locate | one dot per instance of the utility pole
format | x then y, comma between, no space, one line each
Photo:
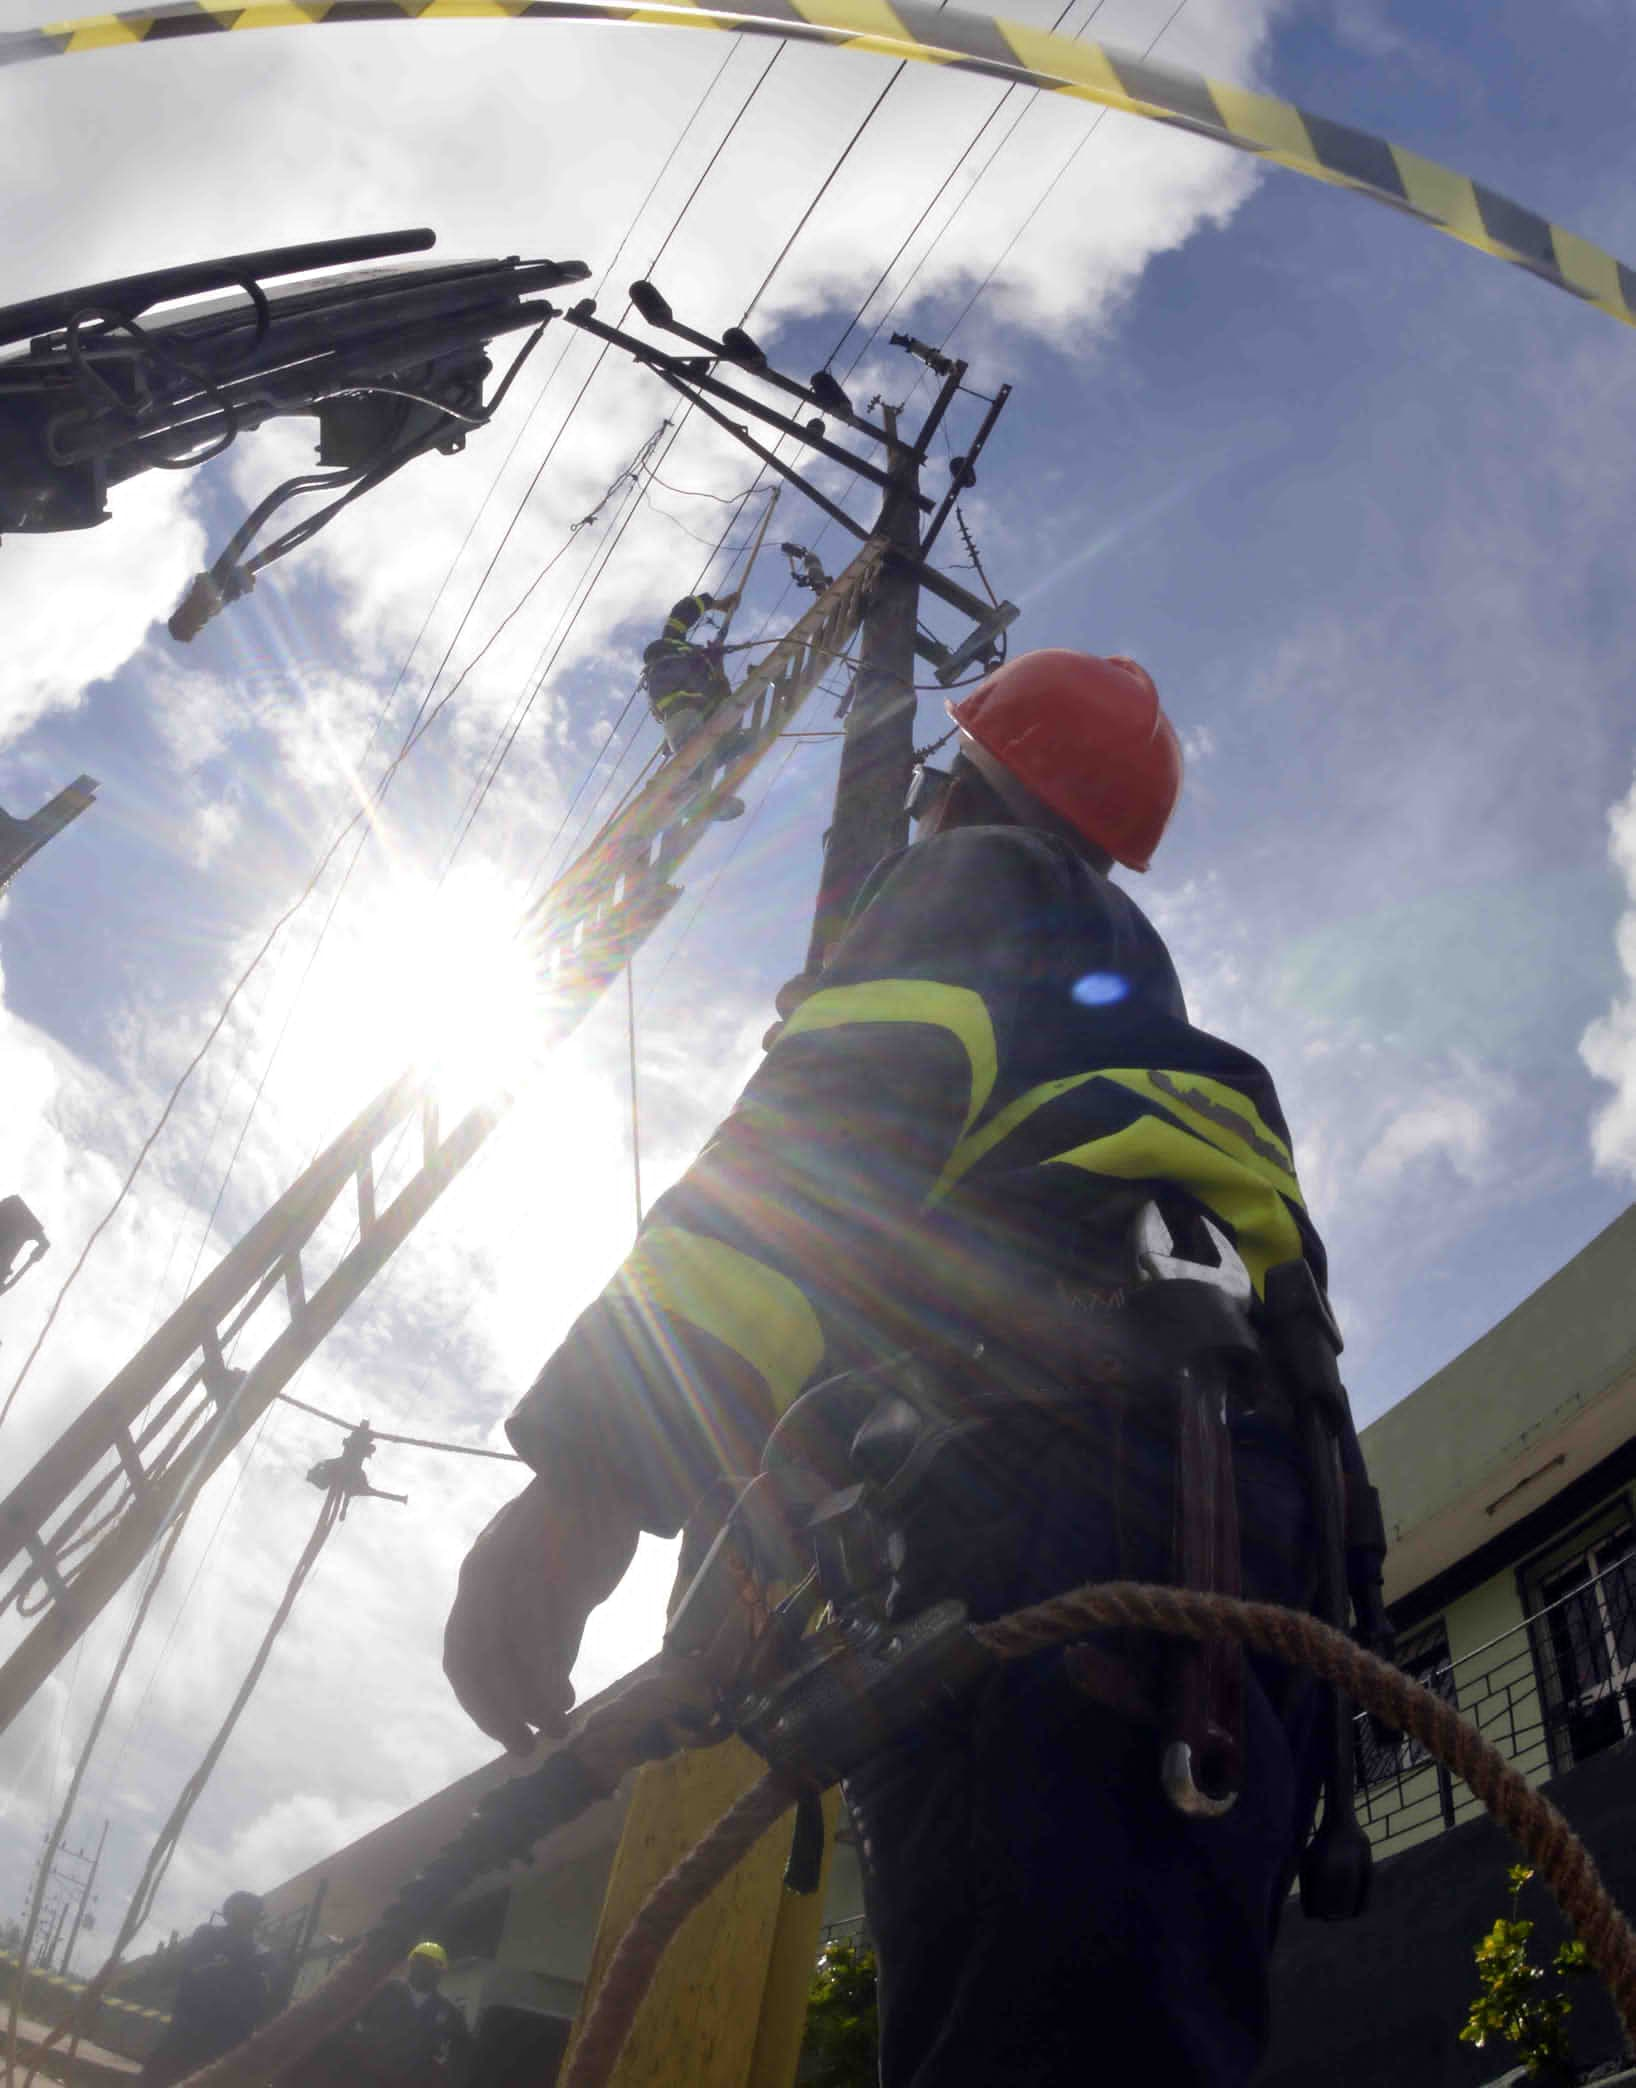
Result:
728,2005
877,756
85,1896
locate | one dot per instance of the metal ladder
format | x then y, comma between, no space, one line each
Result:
76,1527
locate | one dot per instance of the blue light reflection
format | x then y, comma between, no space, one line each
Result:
1100,989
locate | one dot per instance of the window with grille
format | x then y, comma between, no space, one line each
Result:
1384,1756
1585,1643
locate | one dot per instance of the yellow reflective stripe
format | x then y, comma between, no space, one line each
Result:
1265,1232
953,1008
999,1128
742,1303
1202,1103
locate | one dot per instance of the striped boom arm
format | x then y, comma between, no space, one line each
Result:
1004,50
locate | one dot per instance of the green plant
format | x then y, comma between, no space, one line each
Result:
843,2033
1521,2001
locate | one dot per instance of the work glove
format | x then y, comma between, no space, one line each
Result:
724,605
526,1588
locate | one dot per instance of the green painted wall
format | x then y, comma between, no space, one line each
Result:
1556,1353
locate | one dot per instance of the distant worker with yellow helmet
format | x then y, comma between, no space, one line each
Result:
991,1089
409,2036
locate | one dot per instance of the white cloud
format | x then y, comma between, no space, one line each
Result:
503,139
1608,1045
78,608
1448,1127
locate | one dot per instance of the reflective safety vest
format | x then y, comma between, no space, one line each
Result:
999,1052
676,671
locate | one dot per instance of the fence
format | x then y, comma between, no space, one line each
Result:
1552,1691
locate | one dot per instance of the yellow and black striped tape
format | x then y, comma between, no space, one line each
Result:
1011,51
77,1986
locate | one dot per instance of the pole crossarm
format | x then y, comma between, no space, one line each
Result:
167,1420
1017,52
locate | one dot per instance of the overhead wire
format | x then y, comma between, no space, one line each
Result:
936,197
405,1442
412,738
421,722
1051,186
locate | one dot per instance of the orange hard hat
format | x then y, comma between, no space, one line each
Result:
1088,739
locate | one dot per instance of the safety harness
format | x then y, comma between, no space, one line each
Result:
679,672
824,1534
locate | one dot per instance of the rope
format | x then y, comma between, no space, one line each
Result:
634,1720
750,561
637,1954
1555,1851
1527,1816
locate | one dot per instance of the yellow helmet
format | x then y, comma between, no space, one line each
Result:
434,1951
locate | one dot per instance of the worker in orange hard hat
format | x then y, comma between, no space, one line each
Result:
990,1101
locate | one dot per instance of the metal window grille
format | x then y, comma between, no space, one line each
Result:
1552,1691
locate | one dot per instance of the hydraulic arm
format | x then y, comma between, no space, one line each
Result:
163,371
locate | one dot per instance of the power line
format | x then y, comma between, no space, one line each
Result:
407,1442
415,723
1050,189
961,203
937,196
823,188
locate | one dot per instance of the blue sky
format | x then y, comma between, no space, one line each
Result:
1356,495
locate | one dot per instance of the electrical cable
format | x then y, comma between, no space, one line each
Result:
823,187
1051,188
937,196
481,509
423,723
406,1442
699,492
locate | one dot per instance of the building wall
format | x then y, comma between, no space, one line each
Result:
1563,1347
551,1921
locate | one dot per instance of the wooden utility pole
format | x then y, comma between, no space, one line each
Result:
877,757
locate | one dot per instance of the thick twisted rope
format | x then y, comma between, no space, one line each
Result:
621,1728
1292,1636
636,1957
1556,1852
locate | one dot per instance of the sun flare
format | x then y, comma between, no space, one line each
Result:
436,977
